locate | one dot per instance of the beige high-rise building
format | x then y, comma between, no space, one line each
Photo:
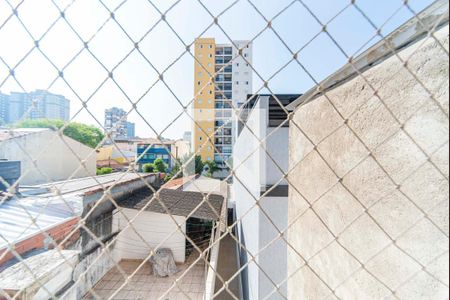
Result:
222,79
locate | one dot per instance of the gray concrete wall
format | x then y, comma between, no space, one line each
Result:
403,184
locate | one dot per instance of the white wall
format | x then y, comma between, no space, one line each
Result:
153,228
278,162
247,188
256,230
273,259
53,156
400,193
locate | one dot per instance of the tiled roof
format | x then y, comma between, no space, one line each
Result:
178,183
177,202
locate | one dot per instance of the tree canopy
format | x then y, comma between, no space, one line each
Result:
86,134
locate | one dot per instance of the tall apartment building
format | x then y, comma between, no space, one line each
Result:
39,104
116,122
223,77
131,130
4,107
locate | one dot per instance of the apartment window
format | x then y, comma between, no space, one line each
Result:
200,138
210,92
210,46
199,82
201,46
210,56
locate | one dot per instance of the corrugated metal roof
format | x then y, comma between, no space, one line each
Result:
48,210
16,216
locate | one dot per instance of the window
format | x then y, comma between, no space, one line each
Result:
166,156
237,64
201,46
209,158
200,74
200,101
199,82
210,56
237,82
210,92
200,138
210,46
200,56
246,82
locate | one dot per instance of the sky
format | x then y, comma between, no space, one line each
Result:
112,42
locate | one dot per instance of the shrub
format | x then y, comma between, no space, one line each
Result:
160,166
148,168
104,171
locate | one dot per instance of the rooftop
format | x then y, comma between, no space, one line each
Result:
6,134
177,202
143,285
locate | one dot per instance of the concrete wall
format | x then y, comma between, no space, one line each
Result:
151,227
273,260
411,209
53,157
251,179
247,188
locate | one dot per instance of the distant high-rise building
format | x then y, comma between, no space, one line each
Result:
4,107
39,104
116,122
131,130
187,136
214,97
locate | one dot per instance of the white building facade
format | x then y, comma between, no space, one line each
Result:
259,169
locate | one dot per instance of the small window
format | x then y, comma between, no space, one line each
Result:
237,82
237,64
200,138
200,110
201,46
245,55
210,46
210,56
199,82
246,82
210,92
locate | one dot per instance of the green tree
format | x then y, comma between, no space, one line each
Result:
212,167
160,166
86,134
148,168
